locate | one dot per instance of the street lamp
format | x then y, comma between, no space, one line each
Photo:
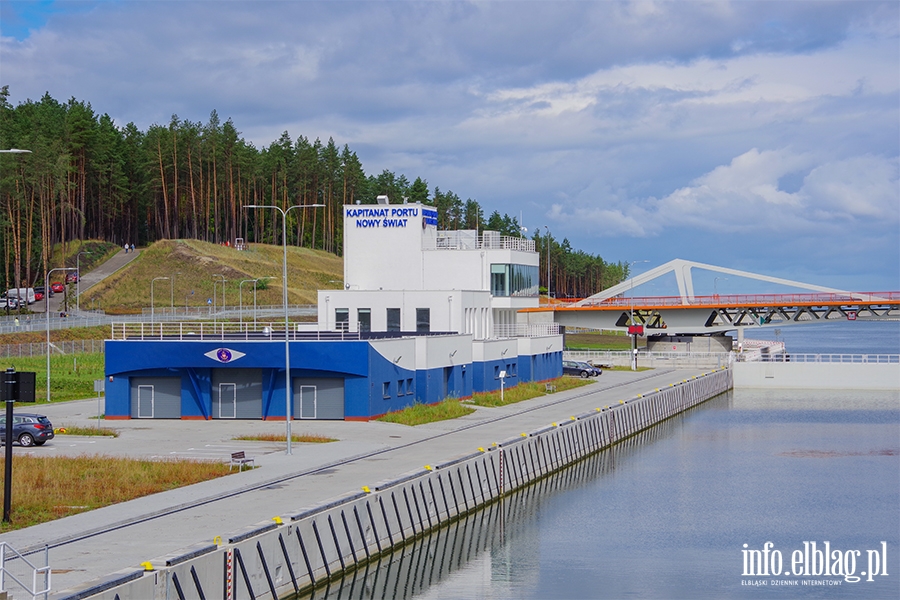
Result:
47,298
547,229
241,299
284,300
77,280
633,335
152,306
214,299
172,291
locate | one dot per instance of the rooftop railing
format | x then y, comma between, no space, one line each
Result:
488,240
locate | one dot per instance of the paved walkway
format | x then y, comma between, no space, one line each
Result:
97,543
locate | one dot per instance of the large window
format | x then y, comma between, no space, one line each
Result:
423,320
393,319
364,318
342,319
514,280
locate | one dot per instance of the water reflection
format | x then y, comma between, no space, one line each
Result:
477,550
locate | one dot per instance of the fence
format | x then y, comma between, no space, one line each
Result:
301,551
40,349
653,360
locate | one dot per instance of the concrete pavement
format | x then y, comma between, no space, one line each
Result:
93,544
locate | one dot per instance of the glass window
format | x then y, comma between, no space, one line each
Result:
496,371
400,391
409,386
393,319
386,389
423,320
514,280
342,319
364,318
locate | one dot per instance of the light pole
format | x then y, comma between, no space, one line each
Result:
547,229
716,286
215,300
77,280
172,291
241,299
47,305
284,300
152,307
633,335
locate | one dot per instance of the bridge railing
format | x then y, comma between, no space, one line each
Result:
653,360
752,299
822,358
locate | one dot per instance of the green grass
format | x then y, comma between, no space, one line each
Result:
274,437
602,340
71,376
87,431
419,414
72,485
527,391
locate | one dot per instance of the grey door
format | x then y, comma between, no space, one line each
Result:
307,402
319,398
145,402
155,397
237,394
227,400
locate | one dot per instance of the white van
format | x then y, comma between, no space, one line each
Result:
23,295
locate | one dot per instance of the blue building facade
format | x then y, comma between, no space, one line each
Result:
355,379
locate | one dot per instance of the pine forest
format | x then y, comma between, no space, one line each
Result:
87,178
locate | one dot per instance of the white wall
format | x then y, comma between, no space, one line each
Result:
860,376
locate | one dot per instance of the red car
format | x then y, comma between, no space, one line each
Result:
71,277
38,296
57,287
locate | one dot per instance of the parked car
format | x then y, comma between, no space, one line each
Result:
10,303
71,277
58,287
40,289
38,296
582,369
29,429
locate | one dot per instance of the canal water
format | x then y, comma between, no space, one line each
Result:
679,510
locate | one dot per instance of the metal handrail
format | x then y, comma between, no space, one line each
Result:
35,571
751,299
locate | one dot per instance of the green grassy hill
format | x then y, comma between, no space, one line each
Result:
192,264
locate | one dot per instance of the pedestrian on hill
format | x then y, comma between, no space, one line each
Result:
126,248
17,322
132,248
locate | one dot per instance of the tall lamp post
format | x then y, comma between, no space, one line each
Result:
214,299
547,229
284,300
77,280
47,298
633,335
152,306
241,299
172,291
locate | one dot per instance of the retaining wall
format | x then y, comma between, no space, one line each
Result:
817,375
296,552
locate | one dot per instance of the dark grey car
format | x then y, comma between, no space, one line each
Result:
29,429
582,369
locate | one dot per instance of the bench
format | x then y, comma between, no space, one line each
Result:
240,459
550,388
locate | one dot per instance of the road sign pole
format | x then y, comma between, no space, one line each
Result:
9,391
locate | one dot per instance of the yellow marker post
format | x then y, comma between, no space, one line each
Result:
366,489
428,468
148,566
277,520
217,540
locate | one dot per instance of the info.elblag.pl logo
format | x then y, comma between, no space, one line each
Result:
815,560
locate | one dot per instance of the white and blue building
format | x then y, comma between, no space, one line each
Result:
423,315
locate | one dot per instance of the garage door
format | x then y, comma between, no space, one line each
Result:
237,394
155,397
318,398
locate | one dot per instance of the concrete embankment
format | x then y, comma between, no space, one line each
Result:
296,551
812,375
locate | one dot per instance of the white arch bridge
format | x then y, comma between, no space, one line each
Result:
689,314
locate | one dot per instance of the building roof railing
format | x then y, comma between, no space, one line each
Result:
469,239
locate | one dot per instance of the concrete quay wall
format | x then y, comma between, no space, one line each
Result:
296,552
817,375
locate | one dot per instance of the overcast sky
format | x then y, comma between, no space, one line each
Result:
761,136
